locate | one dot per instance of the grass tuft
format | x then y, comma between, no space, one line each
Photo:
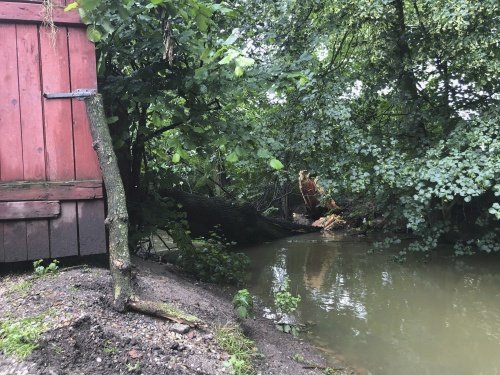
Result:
19,337
21,288
241,349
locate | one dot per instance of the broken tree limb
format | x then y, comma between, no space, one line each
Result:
163,310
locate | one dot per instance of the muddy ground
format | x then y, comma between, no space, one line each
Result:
85,336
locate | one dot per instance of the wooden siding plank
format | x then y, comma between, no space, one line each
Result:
2,252
11,153
11,157
15,241
31,12
29,210
24,1
37,239
50,190
83,75
30,98
63,232
92,232
59,138
57,112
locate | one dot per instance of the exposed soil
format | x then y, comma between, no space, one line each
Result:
85,336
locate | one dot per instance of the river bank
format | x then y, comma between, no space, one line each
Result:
83,335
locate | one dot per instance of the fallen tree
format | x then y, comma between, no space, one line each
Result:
240,223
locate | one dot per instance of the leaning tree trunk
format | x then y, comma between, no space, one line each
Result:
124,297
117,219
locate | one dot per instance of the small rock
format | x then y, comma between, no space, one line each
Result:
180,328
134,354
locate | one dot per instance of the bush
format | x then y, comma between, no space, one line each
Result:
212,261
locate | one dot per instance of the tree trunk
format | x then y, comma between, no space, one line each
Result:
410,98
117,219
124,297
239,223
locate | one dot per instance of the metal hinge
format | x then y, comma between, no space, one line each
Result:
79,94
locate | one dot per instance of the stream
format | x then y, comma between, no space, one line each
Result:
436,318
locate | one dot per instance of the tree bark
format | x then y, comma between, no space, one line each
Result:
410,98
117,219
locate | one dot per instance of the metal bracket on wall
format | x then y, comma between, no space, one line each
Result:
79,94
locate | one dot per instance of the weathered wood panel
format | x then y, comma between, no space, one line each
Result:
2,250
29,210
11,152
31,102
11,157
92,233
37,239
51,190
64,233
15,241
45,145
57,112
59,137
83,75
91,230
23,1
11,11
30,95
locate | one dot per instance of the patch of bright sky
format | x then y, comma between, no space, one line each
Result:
321,52
274,98
354,91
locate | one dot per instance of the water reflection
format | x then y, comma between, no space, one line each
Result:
436,318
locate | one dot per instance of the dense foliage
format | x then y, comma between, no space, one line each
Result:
393,103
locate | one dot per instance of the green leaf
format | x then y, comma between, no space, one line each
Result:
176,158
242,312
232,157
244,61
238,71
230,56
156,2
263,153
111,120
93,34
201,22
276,164
231,39
71,6
206,11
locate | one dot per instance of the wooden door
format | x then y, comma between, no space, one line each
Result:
51,195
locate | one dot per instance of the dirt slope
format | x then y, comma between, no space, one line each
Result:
85,336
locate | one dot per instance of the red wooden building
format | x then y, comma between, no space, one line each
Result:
51,193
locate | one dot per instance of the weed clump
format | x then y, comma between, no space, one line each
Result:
212,260
241,349
40,270
243,303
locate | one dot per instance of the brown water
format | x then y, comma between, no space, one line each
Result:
438,318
